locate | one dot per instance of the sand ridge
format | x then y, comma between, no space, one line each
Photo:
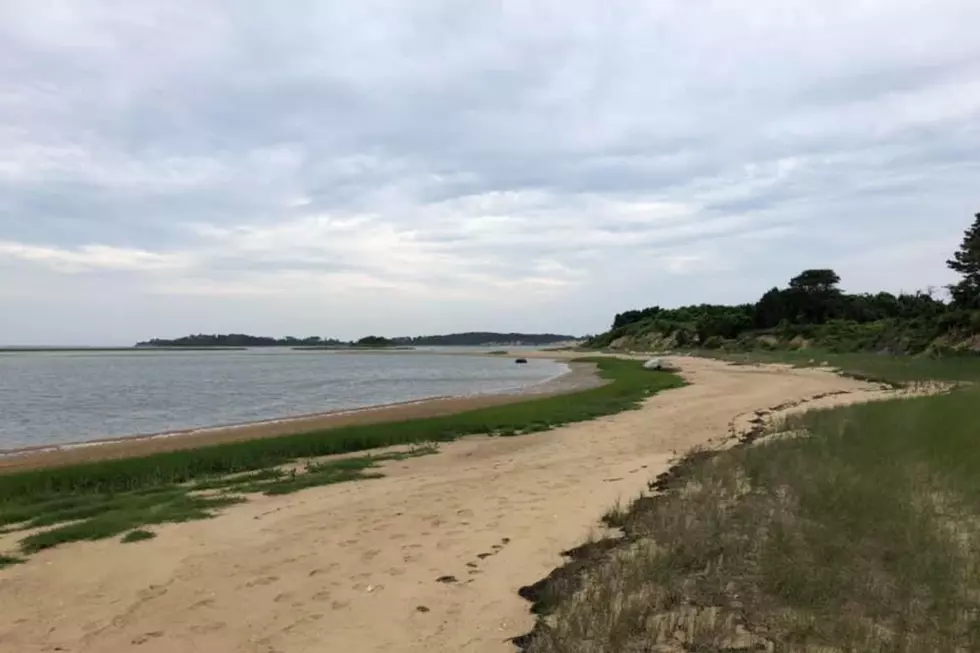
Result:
428,558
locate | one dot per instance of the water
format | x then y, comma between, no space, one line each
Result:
61,397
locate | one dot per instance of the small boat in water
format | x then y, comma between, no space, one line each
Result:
521,361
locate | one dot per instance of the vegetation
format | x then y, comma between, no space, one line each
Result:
239,340
893,370
812,311
966,262
485,338
105,499
138,536
472,338
373,341
6,561
864,535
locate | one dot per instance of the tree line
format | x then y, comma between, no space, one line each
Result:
238,340
471,338
813,307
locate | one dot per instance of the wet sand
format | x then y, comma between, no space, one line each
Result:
427,559
580,376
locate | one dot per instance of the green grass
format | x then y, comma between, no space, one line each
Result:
886,368
123,513
862,536
629,384
100,500
7,561
138,536
95,517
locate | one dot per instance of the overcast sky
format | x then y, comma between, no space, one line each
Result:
343,168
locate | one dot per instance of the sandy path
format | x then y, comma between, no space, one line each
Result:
354,567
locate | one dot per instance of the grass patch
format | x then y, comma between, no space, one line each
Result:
898,370
99,500
615,517
124,513
138,536
629,384
7,561
864,536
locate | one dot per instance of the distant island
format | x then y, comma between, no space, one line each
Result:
484,338
239,340
468,339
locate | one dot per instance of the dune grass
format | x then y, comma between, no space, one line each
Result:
6,561
105,499
138,535
862,536
900,370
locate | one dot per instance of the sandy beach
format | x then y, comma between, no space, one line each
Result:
427,559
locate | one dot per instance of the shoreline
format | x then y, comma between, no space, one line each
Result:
438,539
577,377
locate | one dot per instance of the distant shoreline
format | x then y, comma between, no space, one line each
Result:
36,350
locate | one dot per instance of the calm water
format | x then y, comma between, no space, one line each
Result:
49,397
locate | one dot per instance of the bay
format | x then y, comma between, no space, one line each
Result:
49,398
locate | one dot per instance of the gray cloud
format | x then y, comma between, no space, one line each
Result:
398,167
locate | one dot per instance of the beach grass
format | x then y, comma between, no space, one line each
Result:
139,535
6,561
103,499
864,535
897,370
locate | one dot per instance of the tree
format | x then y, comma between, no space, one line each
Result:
966,261
770,310
373,341
817,281
813,297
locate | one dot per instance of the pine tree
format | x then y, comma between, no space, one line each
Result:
966,261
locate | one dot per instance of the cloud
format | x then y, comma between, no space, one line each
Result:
90,257
394,167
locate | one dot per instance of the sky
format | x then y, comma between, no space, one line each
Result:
398,168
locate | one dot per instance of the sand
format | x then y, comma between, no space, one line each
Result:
427,559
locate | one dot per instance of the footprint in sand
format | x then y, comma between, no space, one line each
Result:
370,555
152,592
142,639
204,629
260,582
